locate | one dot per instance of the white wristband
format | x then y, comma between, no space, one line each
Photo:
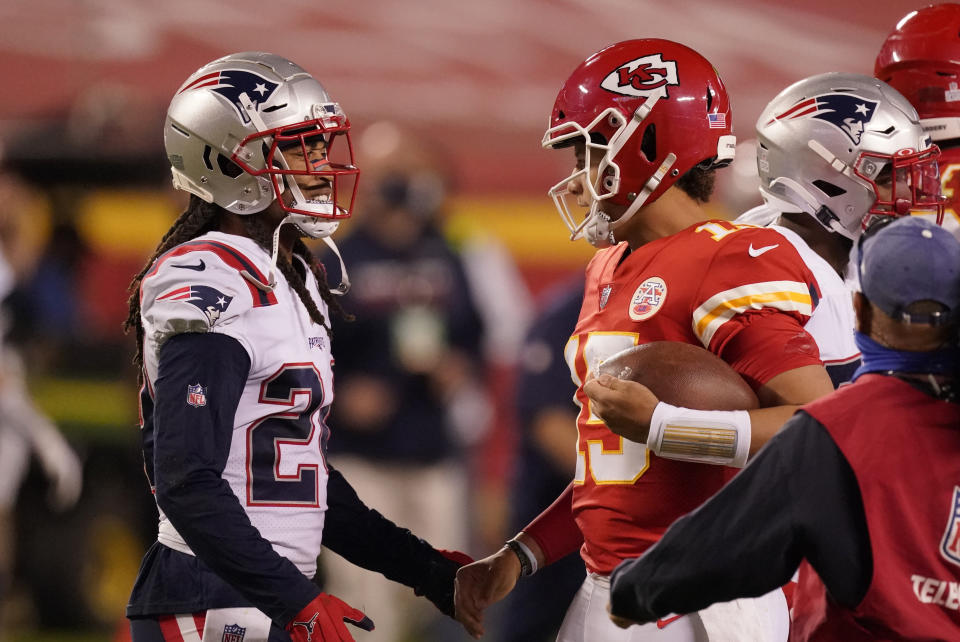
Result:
704,436
530,556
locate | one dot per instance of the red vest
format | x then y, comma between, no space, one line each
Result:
904,448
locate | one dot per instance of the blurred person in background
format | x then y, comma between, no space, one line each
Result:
24,430
232,320
411,403
921,59
547,424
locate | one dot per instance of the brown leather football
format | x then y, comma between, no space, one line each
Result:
684,375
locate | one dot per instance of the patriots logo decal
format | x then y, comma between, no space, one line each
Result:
847,112
231,83
210,300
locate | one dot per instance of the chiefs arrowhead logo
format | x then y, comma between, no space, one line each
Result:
642,77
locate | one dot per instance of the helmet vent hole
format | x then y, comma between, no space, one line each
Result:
206,156
182,132
829,189
648,144
888,130
228,167
561,115
709,98
267,110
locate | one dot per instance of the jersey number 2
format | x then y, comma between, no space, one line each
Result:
283,453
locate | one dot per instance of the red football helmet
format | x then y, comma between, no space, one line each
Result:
921,60
652,109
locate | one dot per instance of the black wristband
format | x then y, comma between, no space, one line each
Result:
526,567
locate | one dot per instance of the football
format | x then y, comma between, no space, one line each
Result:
682,374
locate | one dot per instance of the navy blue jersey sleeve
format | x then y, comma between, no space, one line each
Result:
798,499
364,537
190,451
841,373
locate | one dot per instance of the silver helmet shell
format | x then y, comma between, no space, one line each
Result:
825,143
227,123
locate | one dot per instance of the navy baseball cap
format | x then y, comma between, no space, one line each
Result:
909,260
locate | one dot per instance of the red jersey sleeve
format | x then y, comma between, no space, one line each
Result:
555,529
752,305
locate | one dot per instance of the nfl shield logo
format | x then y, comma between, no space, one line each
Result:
605,295
950,544
196,396
233,633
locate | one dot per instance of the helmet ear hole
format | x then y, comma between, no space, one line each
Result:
829,189
227,167
648,144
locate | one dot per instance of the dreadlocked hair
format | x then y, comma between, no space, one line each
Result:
199,218
264,236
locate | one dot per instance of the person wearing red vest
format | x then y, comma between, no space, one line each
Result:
861,489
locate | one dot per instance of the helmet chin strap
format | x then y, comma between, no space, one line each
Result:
340,290
272,273
601,229
344,286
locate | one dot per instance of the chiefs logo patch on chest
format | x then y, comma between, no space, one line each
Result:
648,299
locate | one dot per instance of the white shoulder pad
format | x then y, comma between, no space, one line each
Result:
199,286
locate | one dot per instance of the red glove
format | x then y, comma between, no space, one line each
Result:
322,620
456,556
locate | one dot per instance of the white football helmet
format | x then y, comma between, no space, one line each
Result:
229,123
844,147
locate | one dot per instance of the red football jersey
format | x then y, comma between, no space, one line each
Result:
741,291
950,185
904,448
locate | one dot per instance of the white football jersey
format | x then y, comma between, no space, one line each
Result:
832,321
275,466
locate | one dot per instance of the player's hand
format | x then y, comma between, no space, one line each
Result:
622,622
439,577
625,406
457,557
322,620
481,584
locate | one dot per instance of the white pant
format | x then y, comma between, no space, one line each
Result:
762,619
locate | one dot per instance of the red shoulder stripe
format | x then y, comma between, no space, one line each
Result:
229,255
